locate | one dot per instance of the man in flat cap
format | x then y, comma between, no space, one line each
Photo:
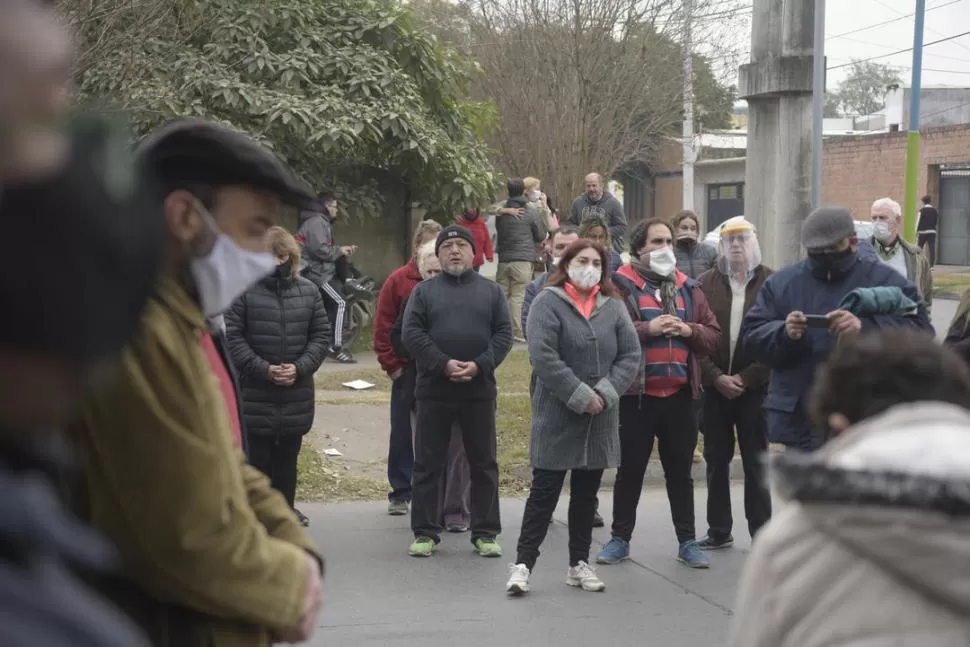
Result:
212,555
797,318
458,329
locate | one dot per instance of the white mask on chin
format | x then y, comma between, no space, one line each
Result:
585,277
663,261
227,271
555,261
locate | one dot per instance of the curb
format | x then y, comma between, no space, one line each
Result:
655,474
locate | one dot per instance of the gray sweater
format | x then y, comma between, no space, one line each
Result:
609,209
518,237
574,358
463,318
695,259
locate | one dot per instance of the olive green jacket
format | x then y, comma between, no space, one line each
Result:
917,268
212,555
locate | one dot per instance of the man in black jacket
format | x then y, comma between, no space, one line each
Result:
458,329
926,227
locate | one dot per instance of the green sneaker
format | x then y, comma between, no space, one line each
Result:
488,547
422,547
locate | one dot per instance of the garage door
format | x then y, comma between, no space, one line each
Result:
954,229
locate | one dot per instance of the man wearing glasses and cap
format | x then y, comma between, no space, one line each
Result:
736,386
212,555
777,331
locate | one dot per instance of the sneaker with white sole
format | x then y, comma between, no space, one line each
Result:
518,583
584,576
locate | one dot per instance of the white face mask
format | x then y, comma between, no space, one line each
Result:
663,261
555,261
880,229
533,195
585,276
227,271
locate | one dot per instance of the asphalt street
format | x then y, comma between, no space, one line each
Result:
377,595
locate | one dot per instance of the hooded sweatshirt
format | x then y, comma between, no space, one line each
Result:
473,222
870,546
317,247
608,208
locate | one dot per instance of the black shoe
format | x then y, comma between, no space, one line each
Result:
712,543
598,520
342,356
304,520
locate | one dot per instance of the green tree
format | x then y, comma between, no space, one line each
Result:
832,107
864,90
336,87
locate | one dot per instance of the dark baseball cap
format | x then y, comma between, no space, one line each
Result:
189,151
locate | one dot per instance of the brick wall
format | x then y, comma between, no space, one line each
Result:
859,169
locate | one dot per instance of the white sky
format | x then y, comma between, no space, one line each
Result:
943,64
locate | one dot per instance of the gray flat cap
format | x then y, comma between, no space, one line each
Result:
826,226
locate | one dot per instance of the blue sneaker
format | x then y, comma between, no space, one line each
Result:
614,552
690,553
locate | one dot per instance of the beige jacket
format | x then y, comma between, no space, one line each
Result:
917,268
872,545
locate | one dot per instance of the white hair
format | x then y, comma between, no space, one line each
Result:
424,252
887,203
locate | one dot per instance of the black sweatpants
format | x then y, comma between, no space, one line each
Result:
543,497
928,242
432,436
277,458
721,417
672,421
336,305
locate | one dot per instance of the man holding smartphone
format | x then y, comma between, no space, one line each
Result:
796,320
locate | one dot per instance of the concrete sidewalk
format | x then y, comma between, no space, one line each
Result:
376,595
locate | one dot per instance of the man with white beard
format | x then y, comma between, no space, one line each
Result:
907,259
458,329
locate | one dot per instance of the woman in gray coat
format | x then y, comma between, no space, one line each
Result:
584,353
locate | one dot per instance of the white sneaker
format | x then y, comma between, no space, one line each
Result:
582,575
518,583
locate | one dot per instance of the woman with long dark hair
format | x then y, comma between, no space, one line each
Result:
584,353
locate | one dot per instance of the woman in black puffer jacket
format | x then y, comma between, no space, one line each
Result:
278,336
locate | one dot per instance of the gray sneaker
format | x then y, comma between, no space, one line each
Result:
397,508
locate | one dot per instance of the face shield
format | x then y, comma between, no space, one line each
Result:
739,250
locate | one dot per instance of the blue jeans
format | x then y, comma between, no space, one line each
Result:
400,453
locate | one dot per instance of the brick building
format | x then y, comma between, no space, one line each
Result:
857,169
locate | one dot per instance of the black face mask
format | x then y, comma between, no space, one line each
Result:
285,270
829,266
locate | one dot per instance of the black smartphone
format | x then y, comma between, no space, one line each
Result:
817,321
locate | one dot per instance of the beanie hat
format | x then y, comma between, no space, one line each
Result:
827,226
453,231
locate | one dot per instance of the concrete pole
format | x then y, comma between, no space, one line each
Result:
688,132
818,102
777,85
912,136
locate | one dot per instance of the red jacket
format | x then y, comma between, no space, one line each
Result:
483,239
394,293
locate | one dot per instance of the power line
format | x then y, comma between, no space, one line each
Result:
889,22
900,51
960,59
929,29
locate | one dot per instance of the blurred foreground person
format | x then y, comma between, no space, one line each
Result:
868,545
80,255
454,495
213,556
575,405
736,385
777,331
278,337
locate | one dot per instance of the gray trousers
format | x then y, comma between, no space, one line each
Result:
454,499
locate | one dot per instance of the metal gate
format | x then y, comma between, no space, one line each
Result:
954,226
724,201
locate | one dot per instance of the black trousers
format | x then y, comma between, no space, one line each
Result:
277,458
672,421
432,437
929,241
543,497
721,417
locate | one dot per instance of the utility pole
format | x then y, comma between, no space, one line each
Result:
912,135
777,85
690,153
818,102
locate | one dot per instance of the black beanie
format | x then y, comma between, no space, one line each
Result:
454,231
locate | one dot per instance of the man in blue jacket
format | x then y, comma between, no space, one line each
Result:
776,330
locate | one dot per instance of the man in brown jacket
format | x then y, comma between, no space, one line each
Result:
736,387
212,555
